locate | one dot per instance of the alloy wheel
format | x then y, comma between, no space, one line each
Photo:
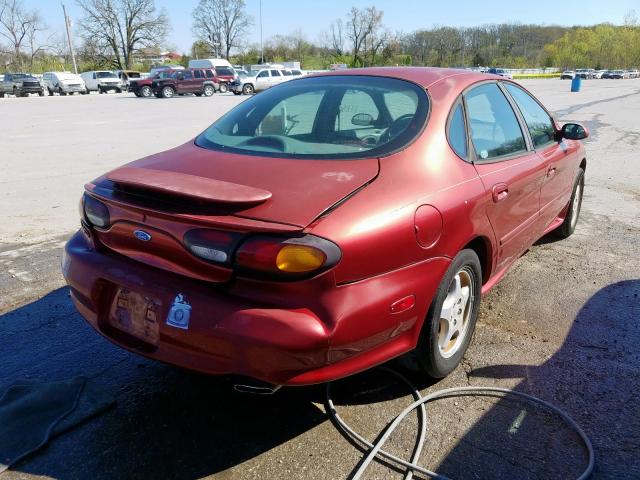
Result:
456,312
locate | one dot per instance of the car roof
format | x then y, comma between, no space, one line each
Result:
425,76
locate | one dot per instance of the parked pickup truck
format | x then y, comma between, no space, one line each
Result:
20,85
199,81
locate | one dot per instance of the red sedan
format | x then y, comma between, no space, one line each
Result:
327,225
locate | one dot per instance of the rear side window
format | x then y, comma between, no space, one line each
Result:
494,128
296,72
457,133
286,73
537,119
275,73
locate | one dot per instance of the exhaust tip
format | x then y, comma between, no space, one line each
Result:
257,388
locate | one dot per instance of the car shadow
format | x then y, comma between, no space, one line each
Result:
594,377
170,423
167,422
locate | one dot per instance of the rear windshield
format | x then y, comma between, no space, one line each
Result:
323,117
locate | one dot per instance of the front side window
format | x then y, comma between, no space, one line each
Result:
198,74
263,74
494,128
537,119
333,117
209,73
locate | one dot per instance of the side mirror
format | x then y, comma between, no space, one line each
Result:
362,120
573,131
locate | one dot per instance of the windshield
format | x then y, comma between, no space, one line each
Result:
323,117
106,75
20,75
67,77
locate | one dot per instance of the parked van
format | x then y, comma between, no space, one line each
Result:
101,81
63,83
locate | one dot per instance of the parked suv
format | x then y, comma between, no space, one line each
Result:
63,83
142,87
226,76
199,81
258,80
20,85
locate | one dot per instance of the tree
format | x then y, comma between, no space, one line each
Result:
20,28
117,29
360,25
336,37
222,22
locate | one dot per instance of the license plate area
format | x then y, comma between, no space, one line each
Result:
136,315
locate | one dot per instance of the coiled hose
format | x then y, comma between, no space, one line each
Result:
375,449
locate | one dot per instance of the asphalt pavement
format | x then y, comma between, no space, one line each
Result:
563,325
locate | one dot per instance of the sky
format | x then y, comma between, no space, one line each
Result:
314,16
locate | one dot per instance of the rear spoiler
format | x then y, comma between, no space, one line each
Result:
190,186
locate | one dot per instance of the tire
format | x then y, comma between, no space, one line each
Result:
224,88
2,95
100,90
118,90
145,91
575,204
60,92
137,94
41,93
168,92
236,93
50,92
434,355
248,89
208,90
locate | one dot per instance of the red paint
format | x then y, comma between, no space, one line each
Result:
411,213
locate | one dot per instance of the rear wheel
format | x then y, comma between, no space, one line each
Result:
168,92
247,89
451,319
575,204
208,90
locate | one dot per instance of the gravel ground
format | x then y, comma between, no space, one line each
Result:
562,325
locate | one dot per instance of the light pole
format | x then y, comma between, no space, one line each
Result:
73,54
261,46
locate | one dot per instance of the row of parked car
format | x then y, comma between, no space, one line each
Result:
202,78
589,73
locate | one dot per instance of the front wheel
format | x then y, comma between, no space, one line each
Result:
168,92
451,318
247,89
224,88
575,204
145,91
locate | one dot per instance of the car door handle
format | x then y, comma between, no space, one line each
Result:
499,192
551,172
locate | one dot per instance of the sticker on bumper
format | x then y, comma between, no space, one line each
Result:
179,313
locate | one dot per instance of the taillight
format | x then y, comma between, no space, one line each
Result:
96,212
287,257
211,245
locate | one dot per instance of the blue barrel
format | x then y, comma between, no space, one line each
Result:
576,83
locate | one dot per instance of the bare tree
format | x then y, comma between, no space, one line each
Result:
359,26
119,28
221,21
20,28
336,37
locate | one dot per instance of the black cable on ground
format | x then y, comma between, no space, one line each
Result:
376,451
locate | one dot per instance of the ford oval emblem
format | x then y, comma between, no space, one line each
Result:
142,235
